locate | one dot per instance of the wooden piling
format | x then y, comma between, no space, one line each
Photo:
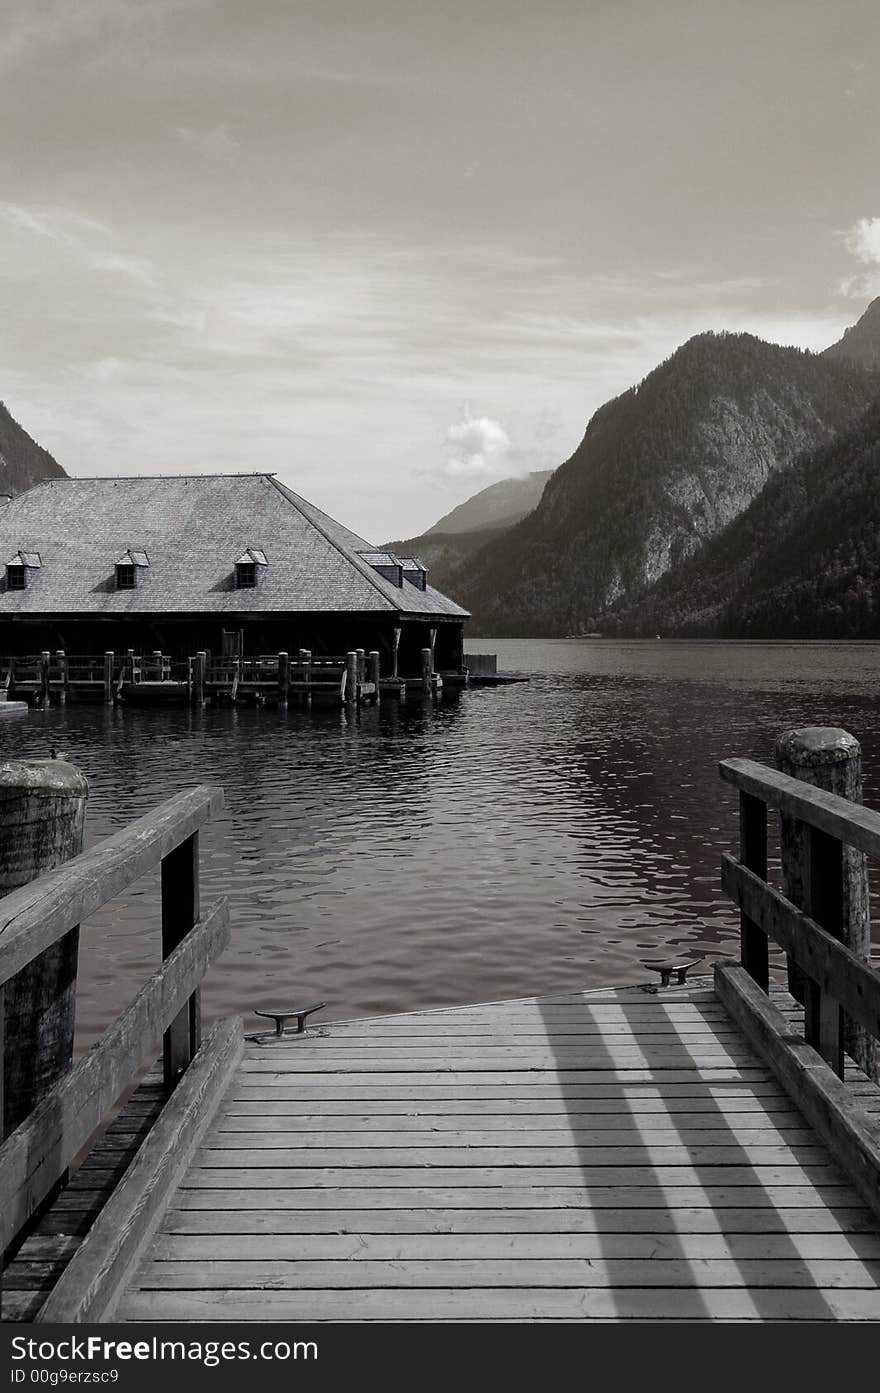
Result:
61,664
108,677
828,880
42,812
351,676
374,670
45,660
283,678
305,658
200,668
427,669
395,645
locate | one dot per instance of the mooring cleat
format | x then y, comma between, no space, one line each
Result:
666,969
289,1013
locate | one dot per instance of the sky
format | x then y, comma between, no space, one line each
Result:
395,250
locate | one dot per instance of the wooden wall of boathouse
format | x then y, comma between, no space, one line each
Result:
181,637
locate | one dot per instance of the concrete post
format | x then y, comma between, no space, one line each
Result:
831,759
42,813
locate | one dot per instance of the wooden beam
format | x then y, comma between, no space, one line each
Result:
36,1153
37,915
97,1275
849,822
850,1133
842,974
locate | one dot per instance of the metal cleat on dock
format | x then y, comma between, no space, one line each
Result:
666,969
281,1015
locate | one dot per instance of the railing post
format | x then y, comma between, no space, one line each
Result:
180,911
823,901
754,948
42,813
283,679
108,677
819,879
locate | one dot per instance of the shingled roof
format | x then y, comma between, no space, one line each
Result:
193,529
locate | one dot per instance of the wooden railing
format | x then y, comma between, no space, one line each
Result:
838,982
165,1014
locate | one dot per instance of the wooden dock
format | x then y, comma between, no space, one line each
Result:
273,679
701,1152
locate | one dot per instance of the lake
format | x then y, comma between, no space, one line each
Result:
502,842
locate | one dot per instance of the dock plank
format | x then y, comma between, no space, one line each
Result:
591,1156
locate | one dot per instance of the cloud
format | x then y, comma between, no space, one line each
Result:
862,241
84,240
214,143
133,268
58,224
477,448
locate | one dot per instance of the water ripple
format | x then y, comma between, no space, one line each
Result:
505,842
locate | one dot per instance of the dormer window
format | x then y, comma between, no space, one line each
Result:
385,564
414,572
250,568
130,569
22,569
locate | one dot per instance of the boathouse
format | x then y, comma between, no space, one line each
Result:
227,563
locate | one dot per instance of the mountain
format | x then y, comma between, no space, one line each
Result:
661,469
499,505
444,553
450,545
803,560
861,342
22,461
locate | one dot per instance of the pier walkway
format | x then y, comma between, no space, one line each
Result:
605,1155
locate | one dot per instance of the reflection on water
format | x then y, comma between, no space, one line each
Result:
502,843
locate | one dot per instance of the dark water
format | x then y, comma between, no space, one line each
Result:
506,842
